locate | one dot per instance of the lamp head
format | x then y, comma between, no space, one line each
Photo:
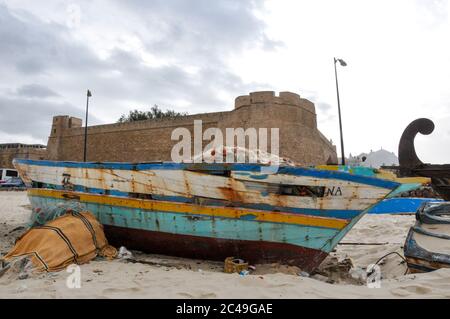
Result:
341,62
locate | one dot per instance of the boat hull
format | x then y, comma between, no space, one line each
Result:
439,175
427,246
295,216
189,246
420,260
184,230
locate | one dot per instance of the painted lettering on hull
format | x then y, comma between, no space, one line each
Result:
333,191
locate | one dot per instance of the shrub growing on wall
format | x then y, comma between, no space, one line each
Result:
154,113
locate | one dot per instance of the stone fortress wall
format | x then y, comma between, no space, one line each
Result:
150,140
10,151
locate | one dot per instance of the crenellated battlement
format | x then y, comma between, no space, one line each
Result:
269,98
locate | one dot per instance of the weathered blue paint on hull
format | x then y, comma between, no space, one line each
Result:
332,213
403,205
287,170
204,226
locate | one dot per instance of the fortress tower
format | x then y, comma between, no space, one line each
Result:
61,126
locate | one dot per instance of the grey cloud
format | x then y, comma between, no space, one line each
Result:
271,44
201,29
165,83
26,65
330,117
33,46
324,107
34,116
191,33
308,94
35,91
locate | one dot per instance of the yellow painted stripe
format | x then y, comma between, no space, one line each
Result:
384,174
228,212
328,167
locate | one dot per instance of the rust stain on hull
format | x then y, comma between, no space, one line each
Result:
197,247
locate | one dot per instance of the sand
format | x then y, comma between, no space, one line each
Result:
170,277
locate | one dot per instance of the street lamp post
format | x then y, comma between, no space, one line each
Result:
88,95
342,63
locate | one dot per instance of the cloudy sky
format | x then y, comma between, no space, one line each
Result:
198,55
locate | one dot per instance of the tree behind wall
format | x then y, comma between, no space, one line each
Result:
154,113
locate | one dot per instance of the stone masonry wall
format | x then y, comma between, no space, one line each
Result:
150,140
8,154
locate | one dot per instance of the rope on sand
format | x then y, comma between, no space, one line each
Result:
363,244
392,253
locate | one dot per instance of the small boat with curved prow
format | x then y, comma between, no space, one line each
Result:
427,246
411,165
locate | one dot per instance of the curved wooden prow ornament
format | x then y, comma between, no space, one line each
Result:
406,151
411,165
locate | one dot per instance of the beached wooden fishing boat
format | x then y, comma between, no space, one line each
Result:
427,246
212,211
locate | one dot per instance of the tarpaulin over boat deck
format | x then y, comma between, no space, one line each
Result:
74,238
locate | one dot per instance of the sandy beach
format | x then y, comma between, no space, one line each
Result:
156,276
